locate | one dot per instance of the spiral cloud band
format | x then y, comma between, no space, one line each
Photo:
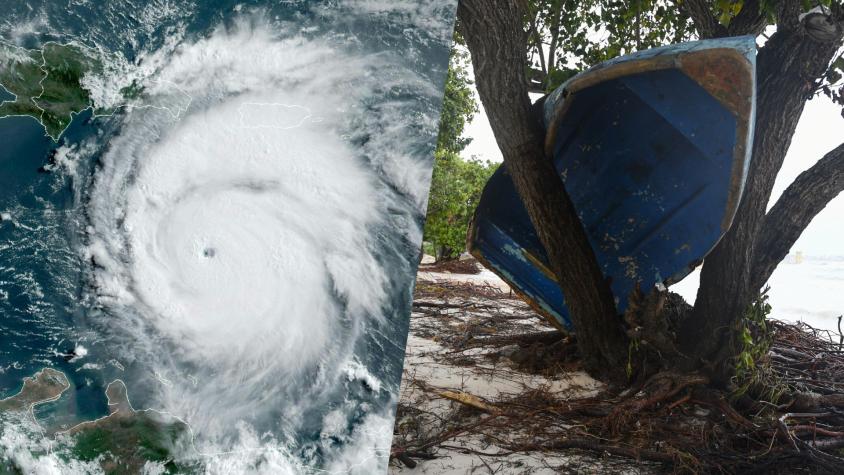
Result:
253,230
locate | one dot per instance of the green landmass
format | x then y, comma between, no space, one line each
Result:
132,91
47,385
127,439
47,83
122,442
20,74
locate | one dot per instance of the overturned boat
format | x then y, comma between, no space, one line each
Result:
653,149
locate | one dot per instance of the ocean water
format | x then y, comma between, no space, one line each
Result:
41,275
238,245
808,289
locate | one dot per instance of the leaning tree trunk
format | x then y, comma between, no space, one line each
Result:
787,67
497,42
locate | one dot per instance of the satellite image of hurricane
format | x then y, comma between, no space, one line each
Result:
210,221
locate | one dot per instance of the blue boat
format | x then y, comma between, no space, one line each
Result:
654,149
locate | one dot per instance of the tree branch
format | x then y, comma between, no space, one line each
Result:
751,20
705,22
795,209
787,68
555,37
538,37
788,14
494,35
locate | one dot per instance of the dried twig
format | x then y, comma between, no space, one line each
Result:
677,424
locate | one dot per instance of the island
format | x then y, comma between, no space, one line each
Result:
47,385
125,441
48,83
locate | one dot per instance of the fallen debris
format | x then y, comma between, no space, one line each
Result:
455,266
489,385
470,400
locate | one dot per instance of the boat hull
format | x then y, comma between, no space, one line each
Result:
653,149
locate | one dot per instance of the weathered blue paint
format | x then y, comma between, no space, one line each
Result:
654,164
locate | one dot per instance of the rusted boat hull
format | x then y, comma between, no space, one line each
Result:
654,150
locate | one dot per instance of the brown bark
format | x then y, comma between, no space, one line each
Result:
786,69
788,14
751,20
555,38
705,22
494,35
795,209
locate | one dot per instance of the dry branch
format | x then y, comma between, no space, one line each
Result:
795,209
672,420
470,400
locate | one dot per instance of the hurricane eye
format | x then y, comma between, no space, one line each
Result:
209,252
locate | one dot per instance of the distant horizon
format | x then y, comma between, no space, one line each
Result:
814,256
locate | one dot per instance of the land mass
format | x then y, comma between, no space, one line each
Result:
47,385
48,83
125,441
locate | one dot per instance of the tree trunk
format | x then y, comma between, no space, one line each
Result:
497,42
787,67
802,201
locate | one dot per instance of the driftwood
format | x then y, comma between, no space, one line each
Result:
470,400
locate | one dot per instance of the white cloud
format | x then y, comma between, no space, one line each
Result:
246,248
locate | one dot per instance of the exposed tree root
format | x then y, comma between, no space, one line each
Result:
789,419
659,389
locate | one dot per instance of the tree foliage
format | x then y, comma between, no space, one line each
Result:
456,188
567,36
456,184
459,106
